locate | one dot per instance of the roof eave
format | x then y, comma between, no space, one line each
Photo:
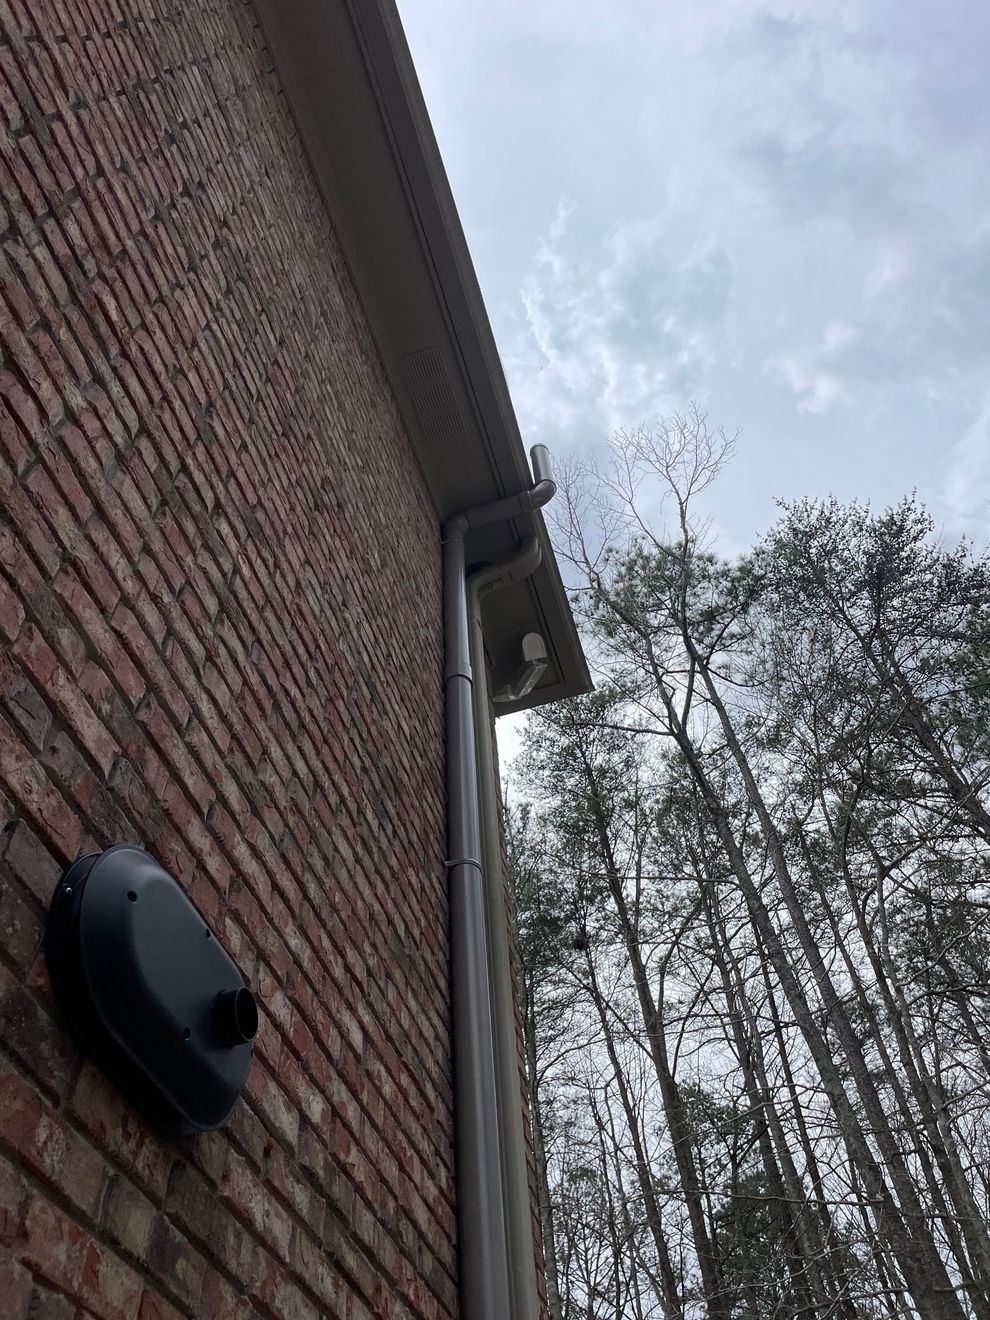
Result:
350,80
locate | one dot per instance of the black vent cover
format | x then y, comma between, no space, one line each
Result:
147,991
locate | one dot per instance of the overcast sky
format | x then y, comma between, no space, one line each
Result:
779,209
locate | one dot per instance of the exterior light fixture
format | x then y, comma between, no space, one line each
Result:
534,663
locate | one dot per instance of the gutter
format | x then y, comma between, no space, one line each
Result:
349,79
477,1001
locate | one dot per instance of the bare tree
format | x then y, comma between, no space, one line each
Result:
763,849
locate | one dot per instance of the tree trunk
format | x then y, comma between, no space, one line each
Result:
675,1113
905,1226
540,1159
672,1307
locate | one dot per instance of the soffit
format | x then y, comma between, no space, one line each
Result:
351,84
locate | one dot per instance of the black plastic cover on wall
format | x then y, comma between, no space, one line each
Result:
146,990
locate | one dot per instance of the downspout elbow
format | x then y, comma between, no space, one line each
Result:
545,487
527,501
493,577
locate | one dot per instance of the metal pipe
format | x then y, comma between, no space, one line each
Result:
484,1264
542,491
515,1168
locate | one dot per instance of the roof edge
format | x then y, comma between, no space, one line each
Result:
352,85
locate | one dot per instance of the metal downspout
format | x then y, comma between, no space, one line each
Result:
516,1190
483,1263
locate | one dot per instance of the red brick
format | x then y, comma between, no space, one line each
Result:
53,820
16,1287
41,1138
155,1307
32,863
286,1299
66,1256
20,928
129,1217
222,645
220,1300
49,1305
114,1127
30,1032
39,659
173,1260
13,1199
273,1105
92,621
26,706
254,1202
19,449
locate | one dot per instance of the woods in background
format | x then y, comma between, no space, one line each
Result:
752,875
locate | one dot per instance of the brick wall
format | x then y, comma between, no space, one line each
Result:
219,607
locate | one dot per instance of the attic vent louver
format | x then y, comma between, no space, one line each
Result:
437,413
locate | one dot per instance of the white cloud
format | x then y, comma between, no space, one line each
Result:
894,264
966,490
776,206
616,325
816,388
917,322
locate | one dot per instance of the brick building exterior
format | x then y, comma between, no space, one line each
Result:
222,475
